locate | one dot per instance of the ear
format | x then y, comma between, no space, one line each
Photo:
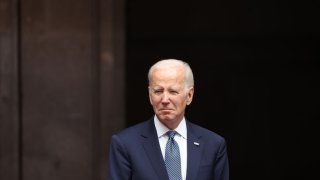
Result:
190,95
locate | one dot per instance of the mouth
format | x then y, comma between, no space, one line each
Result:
166,110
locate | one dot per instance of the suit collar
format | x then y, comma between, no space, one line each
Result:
195,148
152,148
151,145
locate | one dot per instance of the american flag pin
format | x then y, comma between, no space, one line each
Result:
196,143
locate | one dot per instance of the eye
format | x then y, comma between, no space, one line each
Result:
157,92
174,92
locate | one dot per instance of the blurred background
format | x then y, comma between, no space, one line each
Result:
74,72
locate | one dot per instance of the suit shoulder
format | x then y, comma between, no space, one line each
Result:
132,130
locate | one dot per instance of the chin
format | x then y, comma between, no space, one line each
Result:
165,117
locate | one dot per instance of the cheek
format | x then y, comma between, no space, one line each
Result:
179,102
154,100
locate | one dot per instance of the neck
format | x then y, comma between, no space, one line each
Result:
172,125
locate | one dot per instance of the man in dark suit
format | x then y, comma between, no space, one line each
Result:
168,146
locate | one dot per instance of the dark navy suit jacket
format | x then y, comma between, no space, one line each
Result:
135,154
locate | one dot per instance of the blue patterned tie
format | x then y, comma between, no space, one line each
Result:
172,157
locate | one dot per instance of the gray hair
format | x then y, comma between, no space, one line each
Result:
166,63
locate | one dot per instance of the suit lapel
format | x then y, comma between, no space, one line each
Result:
152,148
195,147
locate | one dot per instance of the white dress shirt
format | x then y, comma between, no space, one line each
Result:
180,138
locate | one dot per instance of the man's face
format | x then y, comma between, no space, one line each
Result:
169,95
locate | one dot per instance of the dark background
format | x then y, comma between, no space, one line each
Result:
72,73
256,76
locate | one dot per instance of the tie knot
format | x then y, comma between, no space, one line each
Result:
171,134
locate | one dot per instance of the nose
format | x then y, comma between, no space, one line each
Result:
165,98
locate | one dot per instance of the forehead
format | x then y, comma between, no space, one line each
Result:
175,75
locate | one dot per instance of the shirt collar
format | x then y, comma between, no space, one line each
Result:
162,129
